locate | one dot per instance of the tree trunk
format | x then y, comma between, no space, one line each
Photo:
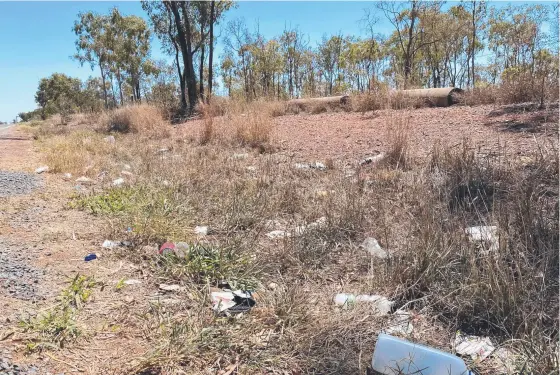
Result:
181,81
408,57
186,49
119,82
211,52
177,63
201,68
104,85
473,39
138,91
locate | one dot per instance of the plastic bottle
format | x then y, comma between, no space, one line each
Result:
342,299
396,356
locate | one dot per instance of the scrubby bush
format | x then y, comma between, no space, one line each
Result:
144,119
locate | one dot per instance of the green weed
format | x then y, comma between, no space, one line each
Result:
206,264
58,325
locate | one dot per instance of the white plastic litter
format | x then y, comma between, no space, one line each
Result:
380,304
109,139
396,356
201,230
478,348
108,244
222,301
401,323
278,234
487,235
119,181
227,299
371,245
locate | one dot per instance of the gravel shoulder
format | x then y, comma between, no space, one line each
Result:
42,247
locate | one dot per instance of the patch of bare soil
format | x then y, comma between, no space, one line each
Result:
349,137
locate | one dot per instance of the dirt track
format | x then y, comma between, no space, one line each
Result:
42,246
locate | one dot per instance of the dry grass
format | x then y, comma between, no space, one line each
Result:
208,129
80,153
252,127
417,210
144,119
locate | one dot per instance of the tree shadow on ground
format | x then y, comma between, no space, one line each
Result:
522,108
525,118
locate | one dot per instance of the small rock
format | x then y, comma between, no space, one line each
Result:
132,282
85,180
67,176
109,139
119,181
251,168
170,287
302,166
149,250
126,166
127,174
42,169
271,224
277,234
317,165
272,286
165,183
373,159
321,193
165,301
371,245
101,176
319,223
129,299
240,156
201,230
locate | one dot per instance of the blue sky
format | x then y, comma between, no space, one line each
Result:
36,38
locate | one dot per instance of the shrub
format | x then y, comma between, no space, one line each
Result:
144,119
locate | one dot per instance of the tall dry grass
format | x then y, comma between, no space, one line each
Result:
143,118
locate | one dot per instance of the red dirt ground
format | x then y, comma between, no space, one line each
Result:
350,136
